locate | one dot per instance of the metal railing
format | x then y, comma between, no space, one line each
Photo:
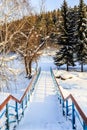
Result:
70,107
12,109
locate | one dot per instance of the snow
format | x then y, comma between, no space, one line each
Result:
45,62
76,84
64,91
44,112
3,96
15,76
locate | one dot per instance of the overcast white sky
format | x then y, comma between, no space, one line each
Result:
54,4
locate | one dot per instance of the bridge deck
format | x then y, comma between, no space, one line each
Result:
43,111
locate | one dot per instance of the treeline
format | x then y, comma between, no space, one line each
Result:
73,36
26,35
66,27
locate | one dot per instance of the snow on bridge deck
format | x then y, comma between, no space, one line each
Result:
43,111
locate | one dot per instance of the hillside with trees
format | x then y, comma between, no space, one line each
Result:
26,33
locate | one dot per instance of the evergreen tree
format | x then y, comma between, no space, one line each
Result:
72,30
64,11
67,40
85,26
54,26
82,38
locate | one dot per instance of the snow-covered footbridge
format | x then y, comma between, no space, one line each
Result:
43,106
43,111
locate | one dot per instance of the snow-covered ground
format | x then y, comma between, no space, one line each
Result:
44,111
15,81
76,84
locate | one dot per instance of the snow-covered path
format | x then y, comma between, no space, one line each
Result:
43,111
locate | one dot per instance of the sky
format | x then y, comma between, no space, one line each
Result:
53,4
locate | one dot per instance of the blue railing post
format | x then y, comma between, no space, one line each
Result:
22,108
63,112
7,116
84,126
18,114
60,99
28,95
16,109
58,94
26,100
67,108
73,116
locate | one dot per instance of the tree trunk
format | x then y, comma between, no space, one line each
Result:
30,70
82,66
67,67
25,61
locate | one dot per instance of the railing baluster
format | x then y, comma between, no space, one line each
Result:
16,109
22,108
75,105
58,94
28,95
73,116
84,126
60,99
67,108
7,116
63,112
26,100
23,101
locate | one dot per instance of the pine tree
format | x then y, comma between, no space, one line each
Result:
82,31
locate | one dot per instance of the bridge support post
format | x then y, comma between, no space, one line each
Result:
73,116
7,116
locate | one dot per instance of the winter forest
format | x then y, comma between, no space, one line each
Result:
73,36
26,34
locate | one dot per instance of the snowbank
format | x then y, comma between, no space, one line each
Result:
76,84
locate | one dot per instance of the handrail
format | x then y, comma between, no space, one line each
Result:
70,96
75,103
14,98
24,99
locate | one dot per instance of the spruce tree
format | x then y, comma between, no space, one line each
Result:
72,30
82,35
67,38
